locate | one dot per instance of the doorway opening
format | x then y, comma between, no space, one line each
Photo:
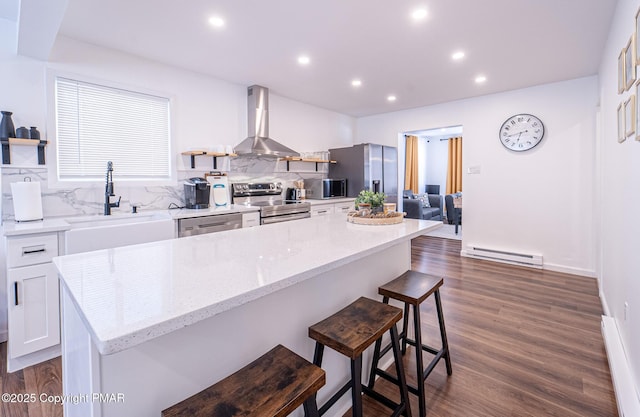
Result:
432,173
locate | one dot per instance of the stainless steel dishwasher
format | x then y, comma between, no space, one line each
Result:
209,224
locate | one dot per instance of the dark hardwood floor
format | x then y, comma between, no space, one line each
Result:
44,378
523,342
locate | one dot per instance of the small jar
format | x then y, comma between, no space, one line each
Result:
33,133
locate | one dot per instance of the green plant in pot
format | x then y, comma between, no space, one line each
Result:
375,200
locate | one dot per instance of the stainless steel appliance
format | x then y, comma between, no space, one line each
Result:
268,198
196,193
259,142
367,167
325,188
209,224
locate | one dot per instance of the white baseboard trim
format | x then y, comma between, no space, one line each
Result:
570,270
623,385
19,363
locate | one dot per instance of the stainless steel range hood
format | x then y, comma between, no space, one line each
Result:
258,142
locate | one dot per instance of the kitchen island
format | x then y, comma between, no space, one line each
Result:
149,325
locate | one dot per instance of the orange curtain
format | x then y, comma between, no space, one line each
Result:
454,168
411,164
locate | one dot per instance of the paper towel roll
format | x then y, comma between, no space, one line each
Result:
27,201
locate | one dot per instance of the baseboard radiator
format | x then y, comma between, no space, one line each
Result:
514,258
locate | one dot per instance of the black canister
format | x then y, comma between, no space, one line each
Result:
22,132
7,129
33,133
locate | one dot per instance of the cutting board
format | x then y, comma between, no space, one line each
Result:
219,190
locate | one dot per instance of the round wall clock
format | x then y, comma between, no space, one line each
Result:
521,132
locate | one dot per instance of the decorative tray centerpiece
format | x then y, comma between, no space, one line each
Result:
371,209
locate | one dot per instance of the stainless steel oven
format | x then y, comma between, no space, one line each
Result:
268,198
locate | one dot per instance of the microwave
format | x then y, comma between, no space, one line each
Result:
320,189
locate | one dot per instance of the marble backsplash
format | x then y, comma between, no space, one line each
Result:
87,200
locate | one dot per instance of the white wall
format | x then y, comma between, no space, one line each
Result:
540,201
620,177
437,161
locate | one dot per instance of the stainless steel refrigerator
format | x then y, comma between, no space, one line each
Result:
367,167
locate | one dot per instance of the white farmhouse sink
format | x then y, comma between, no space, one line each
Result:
89,233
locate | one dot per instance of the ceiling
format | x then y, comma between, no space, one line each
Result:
514,43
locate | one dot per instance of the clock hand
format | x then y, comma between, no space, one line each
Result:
517,133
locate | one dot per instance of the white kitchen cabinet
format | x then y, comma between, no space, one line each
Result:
344,206
321,209
32,292
34,309
251,219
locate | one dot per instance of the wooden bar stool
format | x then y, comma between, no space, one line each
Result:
273,385
350,332
413,288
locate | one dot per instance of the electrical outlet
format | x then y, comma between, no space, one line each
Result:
626,310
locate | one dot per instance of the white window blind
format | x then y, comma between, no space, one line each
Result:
96,124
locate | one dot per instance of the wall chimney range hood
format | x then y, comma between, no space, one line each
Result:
259,142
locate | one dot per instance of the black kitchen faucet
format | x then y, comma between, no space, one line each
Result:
108,191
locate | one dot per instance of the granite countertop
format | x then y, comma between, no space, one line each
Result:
61,224
132,294
34,227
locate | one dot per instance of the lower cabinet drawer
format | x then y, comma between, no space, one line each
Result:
31,250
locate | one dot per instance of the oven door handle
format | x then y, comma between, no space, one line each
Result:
284,218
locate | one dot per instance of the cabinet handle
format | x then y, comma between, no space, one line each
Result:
322,211
33,249
15,292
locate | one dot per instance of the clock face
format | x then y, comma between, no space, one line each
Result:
521,132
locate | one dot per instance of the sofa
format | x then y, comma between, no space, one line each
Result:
416,206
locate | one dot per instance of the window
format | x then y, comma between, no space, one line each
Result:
96,124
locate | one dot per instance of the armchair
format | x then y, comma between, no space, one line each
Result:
415,209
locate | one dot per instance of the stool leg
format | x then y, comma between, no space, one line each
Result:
443,333
311,407
317,355
405,328
419,362
402,382
356,386
374,363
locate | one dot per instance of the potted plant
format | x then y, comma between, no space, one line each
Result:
375,200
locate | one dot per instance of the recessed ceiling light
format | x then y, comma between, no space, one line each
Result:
457,55
419,14
480,79
391,98
216,21
304,60
356,83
